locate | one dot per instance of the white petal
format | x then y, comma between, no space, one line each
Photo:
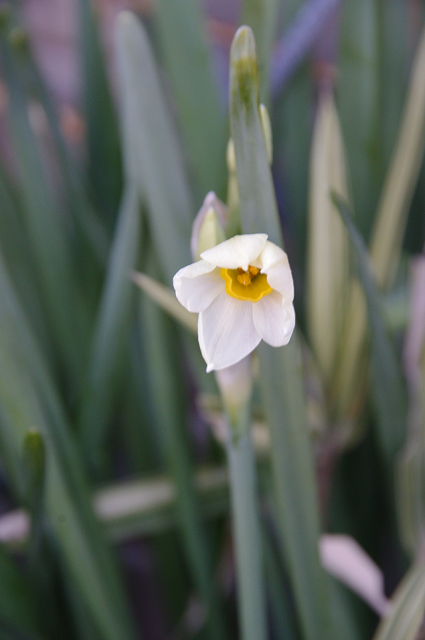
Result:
273,261
226,332
197,285
239,251
274,319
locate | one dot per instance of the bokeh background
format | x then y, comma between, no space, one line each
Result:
114,500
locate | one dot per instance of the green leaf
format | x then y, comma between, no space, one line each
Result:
387,383
261,16
185,51
281,377
257,195
17,255
282,618
393,34
166,299
246,524
112,325
102,128
153,162
401,177
18,606
33,462
49,238
164,366
408,606
359,101
292,124
28,399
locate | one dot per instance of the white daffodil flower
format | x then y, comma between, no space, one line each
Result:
243,291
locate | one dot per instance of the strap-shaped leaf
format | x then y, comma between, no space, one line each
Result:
184,47
111,326
281,378
28,399
388,388
152,157
407,608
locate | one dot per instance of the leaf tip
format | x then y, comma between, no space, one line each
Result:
243,65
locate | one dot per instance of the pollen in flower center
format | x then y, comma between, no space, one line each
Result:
248,285
245,277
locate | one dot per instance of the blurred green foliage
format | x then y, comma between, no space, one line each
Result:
104,399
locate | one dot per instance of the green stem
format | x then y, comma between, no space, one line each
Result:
246,528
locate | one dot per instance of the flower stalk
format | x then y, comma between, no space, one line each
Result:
235,385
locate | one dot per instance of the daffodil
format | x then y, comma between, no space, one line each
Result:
243,291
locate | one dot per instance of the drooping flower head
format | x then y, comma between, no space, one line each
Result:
243,291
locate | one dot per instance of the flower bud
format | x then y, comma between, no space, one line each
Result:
208,226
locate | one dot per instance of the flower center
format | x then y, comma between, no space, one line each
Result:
248,285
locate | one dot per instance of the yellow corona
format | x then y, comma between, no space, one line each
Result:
250,285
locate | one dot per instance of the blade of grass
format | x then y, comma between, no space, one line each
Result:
166,299
389,225
28,399
358,99
164,366
281,614
17,602
393,26
292,124
327,254
408,606
401,177
246,535
111,330
185,51
261,16
153,161
102,128
281,380
50,241
235,384
85,217
16,251
388,389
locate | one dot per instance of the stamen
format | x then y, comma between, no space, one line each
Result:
250,285
245,277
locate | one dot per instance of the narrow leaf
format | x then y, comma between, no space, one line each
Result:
388,388
407,608
185,50
102,128
153,161
358,100
28,399
261,16
327,255
401,178
281,378
111,327
49,239
166,299
18,605
170,413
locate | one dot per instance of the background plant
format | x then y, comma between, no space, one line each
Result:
105,406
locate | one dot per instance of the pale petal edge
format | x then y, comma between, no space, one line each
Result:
226,332
239,251
197,285
274,319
